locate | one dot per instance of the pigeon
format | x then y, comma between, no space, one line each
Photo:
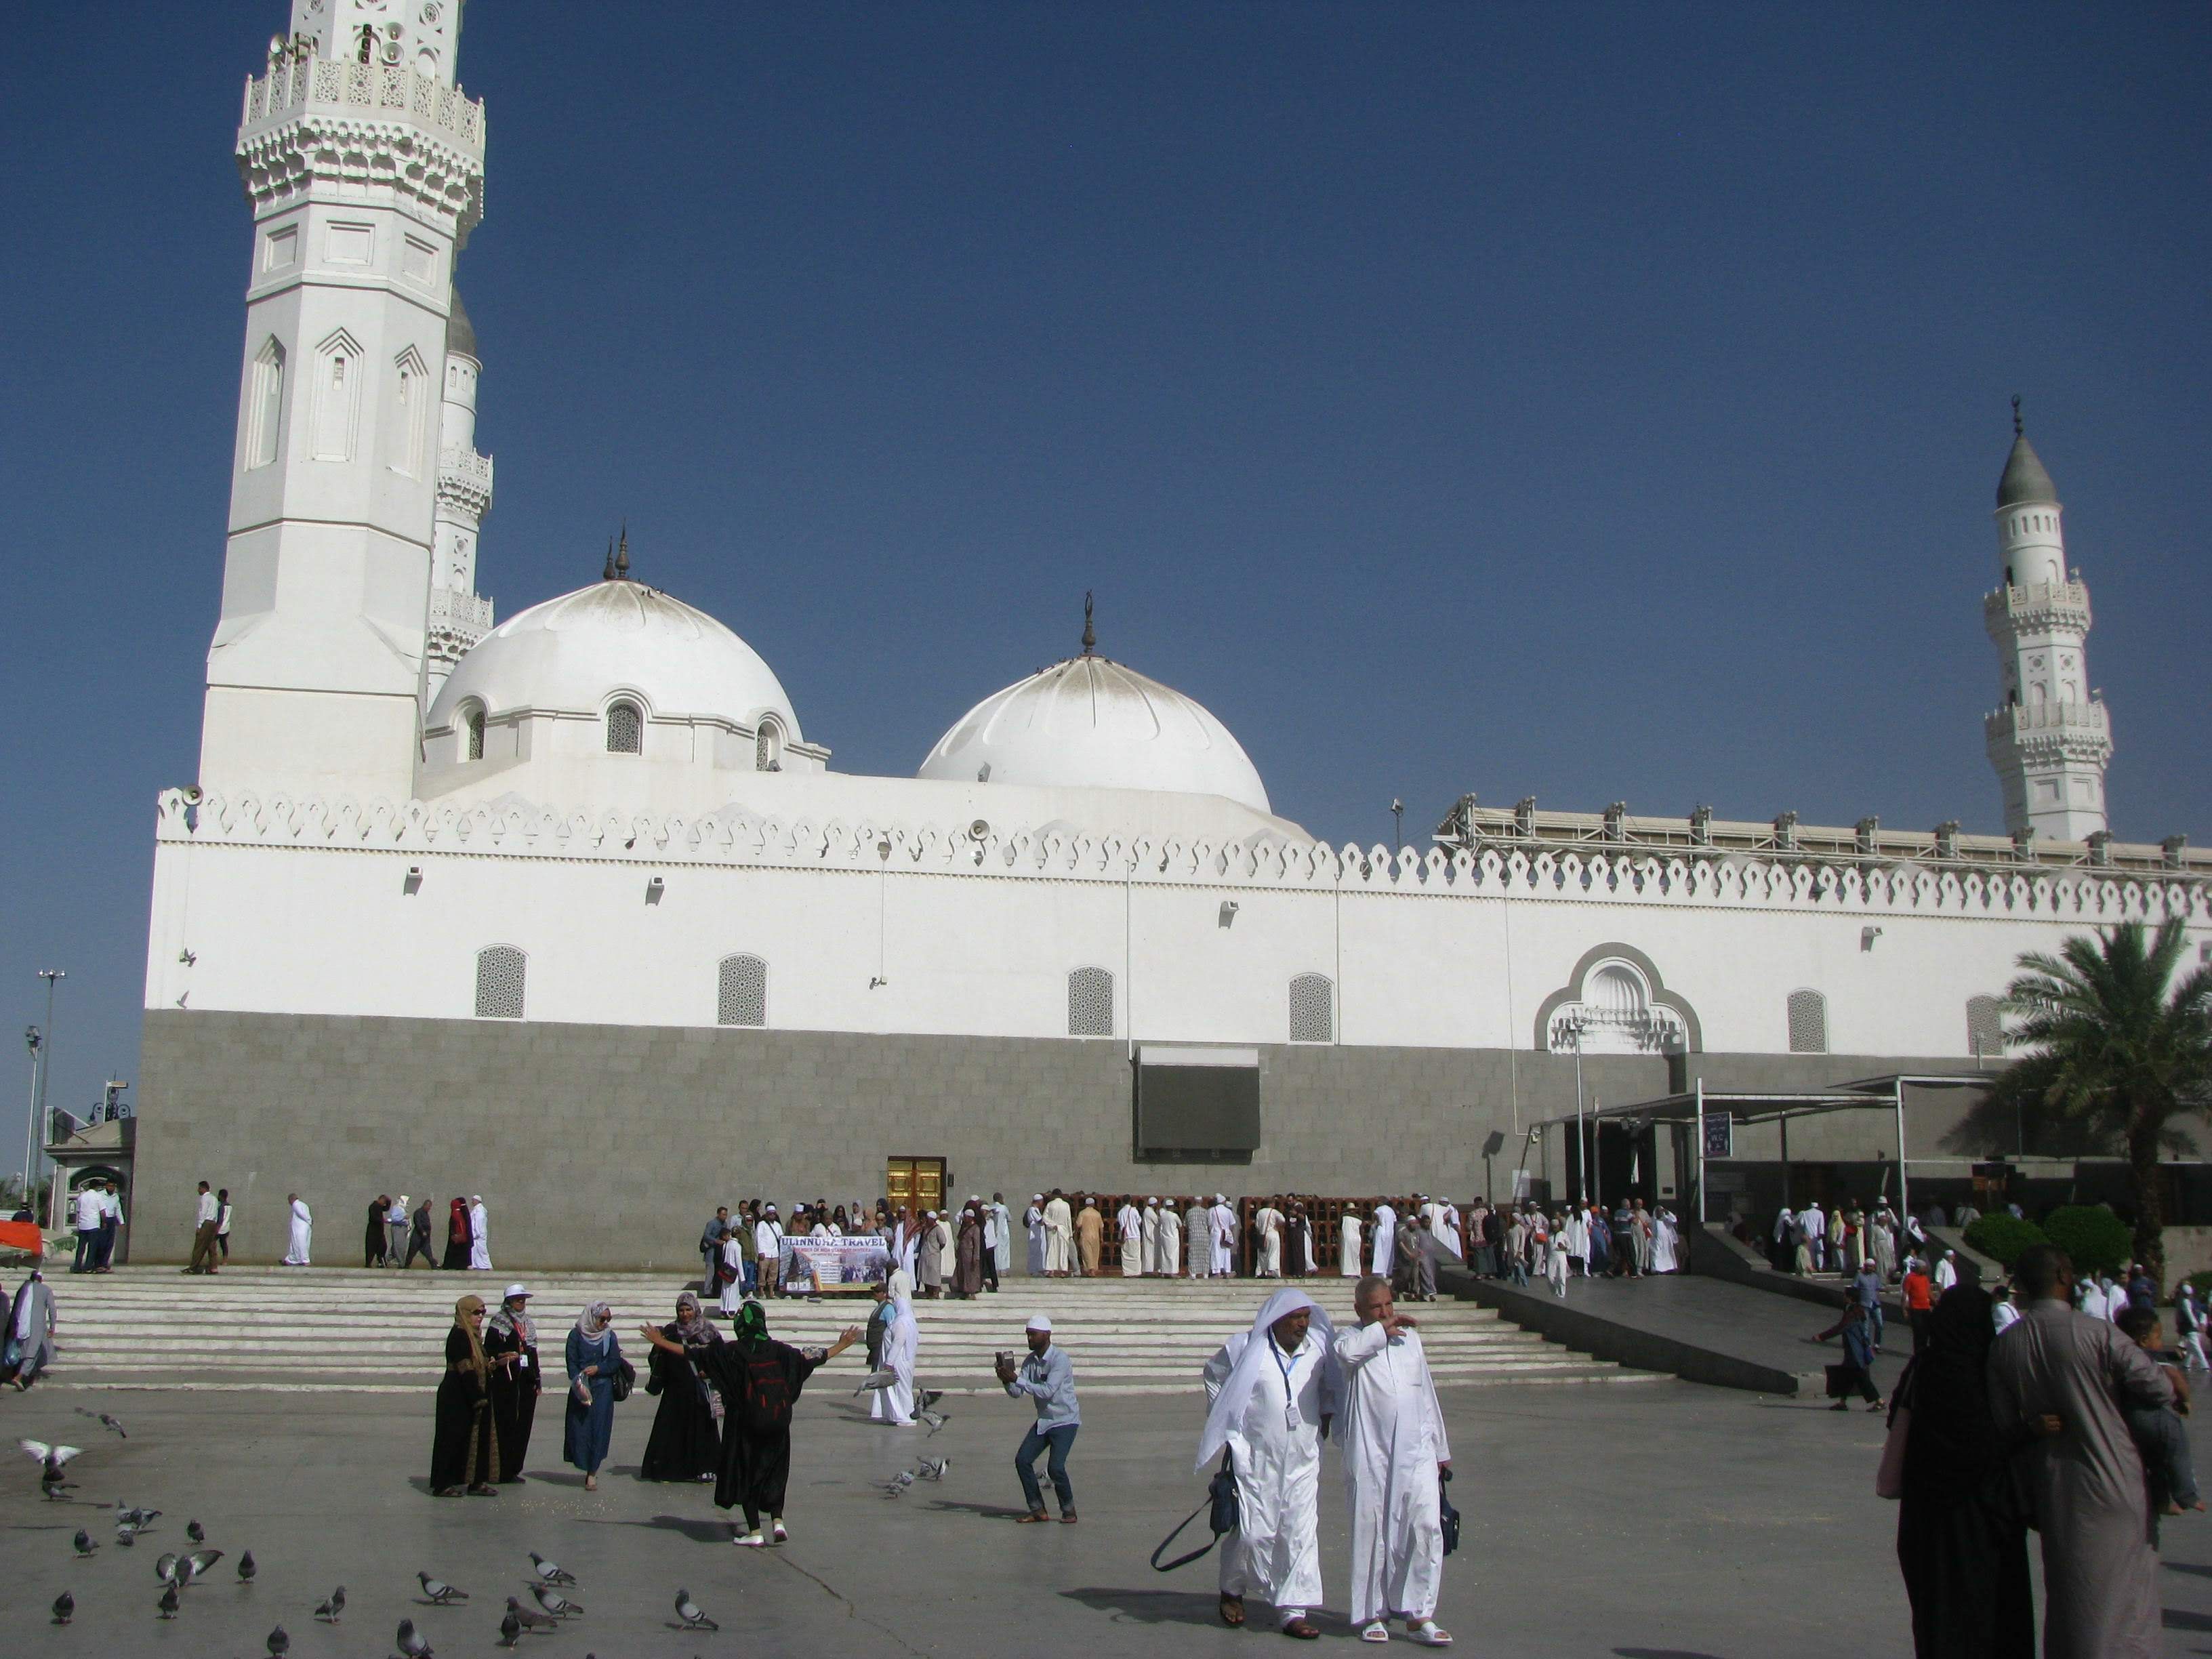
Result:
246,1568
875,1380
197,1563
510,1630
51,1461
279,1644
330,1611
84,1544
65,1608
934,1469
196,1532
556,1603
935,1419
166,1568
125,1534
104,1420
136,1518
688,1611
931,1397
170,1601
441,1593
551,1571
896,1486
410,1643
528,1620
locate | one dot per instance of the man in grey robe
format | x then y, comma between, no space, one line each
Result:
1198,1237
26,1339
2100,1569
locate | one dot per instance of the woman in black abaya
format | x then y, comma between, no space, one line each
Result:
464,1445
510,1341
685,1445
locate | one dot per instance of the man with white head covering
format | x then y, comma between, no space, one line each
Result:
1347,1243
1222,1222
1129,1226
768,1251
479,1236
1197,1236
303,1232
894,1403
1150,1229
998,1242
1384,1244
1059,1236
1170,1240
1048,1377
1033,1227
1279,1387
1267,1225
1395,1457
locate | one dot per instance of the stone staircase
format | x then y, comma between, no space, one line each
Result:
277,1329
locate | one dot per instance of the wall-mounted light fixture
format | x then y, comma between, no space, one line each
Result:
413,883
1868,936
1228,912
654,889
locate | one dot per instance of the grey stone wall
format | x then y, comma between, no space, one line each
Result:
606,1146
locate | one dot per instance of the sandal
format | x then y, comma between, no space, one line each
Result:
1425,1633
1067,1517
480,1490
1034,1518
1302,1630
1233,1610
1374,1630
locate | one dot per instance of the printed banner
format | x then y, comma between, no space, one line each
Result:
833,1267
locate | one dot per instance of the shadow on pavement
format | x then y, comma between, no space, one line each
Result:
1151,1607
1661,1653
707,1531
2182,1619
987,1511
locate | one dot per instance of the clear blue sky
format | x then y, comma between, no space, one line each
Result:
1595,402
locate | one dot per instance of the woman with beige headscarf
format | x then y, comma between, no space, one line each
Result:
464,1445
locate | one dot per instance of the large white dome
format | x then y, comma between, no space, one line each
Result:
1090,723
572,654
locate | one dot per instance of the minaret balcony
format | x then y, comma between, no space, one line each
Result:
314,118
2050,730
464,481
2036,608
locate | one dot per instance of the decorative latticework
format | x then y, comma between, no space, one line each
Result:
1984,1025
625,729
1808,1023
741,996
474,720
1313,1009
1091,1003
500,970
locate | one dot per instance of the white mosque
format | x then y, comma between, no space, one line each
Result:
575,902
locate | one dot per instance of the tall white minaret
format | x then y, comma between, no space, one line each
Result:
459,616
364,166
2051,739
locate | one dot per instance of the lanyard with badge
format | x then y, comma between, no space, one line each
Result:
1291,1418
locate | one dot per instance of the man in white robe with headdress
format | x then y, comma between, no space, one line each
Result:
1033,1230
1268,1226
1002,1238
1150,1228
1272,1392
479,1234
894,1403
1383,1240
1394,1456
1059,1236
1170,1240
303,1232
1222,1222
1130,1228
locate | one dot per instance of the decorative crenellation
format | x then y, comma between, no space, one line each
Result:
363,125
2036,608
2051,732
297,80
2075,895
464,481
454,622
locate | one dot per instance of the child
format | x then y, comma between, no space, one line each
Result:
2158,1431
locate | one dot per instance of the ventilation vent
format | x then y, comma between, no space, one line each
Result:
741,998
500,970
1091,1003
1808,1023
1313,1009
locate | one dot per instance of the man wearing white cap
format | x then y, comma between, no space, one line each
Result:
1198,1236
1130,1225
767,1250
1152,1230
1170,1240
479,1236
1059,1235
1033,1227
1048,1376
1222,1222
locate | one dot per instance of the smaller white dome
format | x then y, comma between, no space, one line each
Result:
574,654
1090,723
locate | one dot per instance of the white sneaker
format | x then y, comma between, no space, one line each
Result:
781,1536
749,1540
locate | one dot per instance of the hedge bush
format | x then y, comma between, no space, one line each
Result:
2095,1239
2002,1237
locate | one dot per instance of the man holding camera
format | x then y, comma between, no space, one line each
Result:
1048,1376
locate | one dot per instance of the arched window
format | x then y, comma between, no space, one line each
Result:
1091,1003
767,747
1313,1009
741,994
500,970
337,398
265,416
411,413
1615,1014
1808,1023
1984,1026
473,722
625,729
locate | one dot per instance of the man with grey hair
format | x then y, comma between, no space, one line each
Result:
1396,1457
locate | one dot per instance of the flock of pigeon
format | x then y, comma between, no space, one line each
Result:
548,1585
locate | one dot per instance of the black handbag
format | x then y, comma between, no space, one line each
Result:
625,1380
1222,1515
1445,1512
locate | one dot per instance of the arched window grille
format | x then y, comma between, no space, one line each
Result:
1091,1003
1313,1009
767,747
500,970
1808,1023
1984,1026
472,724
741,996
625,729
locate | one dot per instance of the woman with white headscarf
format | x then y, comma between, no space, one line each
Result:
1279,1387
594,1359
894,1403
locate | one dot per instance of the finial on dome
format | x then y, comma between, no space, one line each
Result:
1090,633
2018,429
622,555
608,574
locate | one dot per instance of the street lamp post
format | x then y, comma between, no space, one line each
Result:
53,977
1397,825
33,1040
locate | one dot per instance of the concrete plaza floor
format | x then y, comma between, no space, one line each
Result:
1665,1521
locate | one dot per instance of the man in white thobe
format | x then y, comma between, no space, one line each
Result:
1395,1457
1445,1225
1347,1243
1059,1236
1267,1225
303,1232
1002,1236
1033,1229
894,1403
1814,1225
1385,1241
1170,1240
1129,1226
1947,1272
1271,1392
1221,1220
1197,1226
479,1236
1152,1237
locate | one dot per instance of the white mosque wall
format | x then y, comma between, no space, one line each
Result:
308,910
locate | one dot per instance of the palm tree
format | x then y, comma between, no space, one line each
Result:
2111,1048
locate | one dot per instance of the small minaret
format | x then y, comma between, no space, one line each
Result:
363,165
2051,739
458,616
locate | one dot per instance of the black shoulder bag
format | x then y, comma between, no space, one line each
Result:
1221,1500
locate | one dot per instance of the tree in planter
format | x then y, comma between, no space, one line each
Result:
2110,1045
